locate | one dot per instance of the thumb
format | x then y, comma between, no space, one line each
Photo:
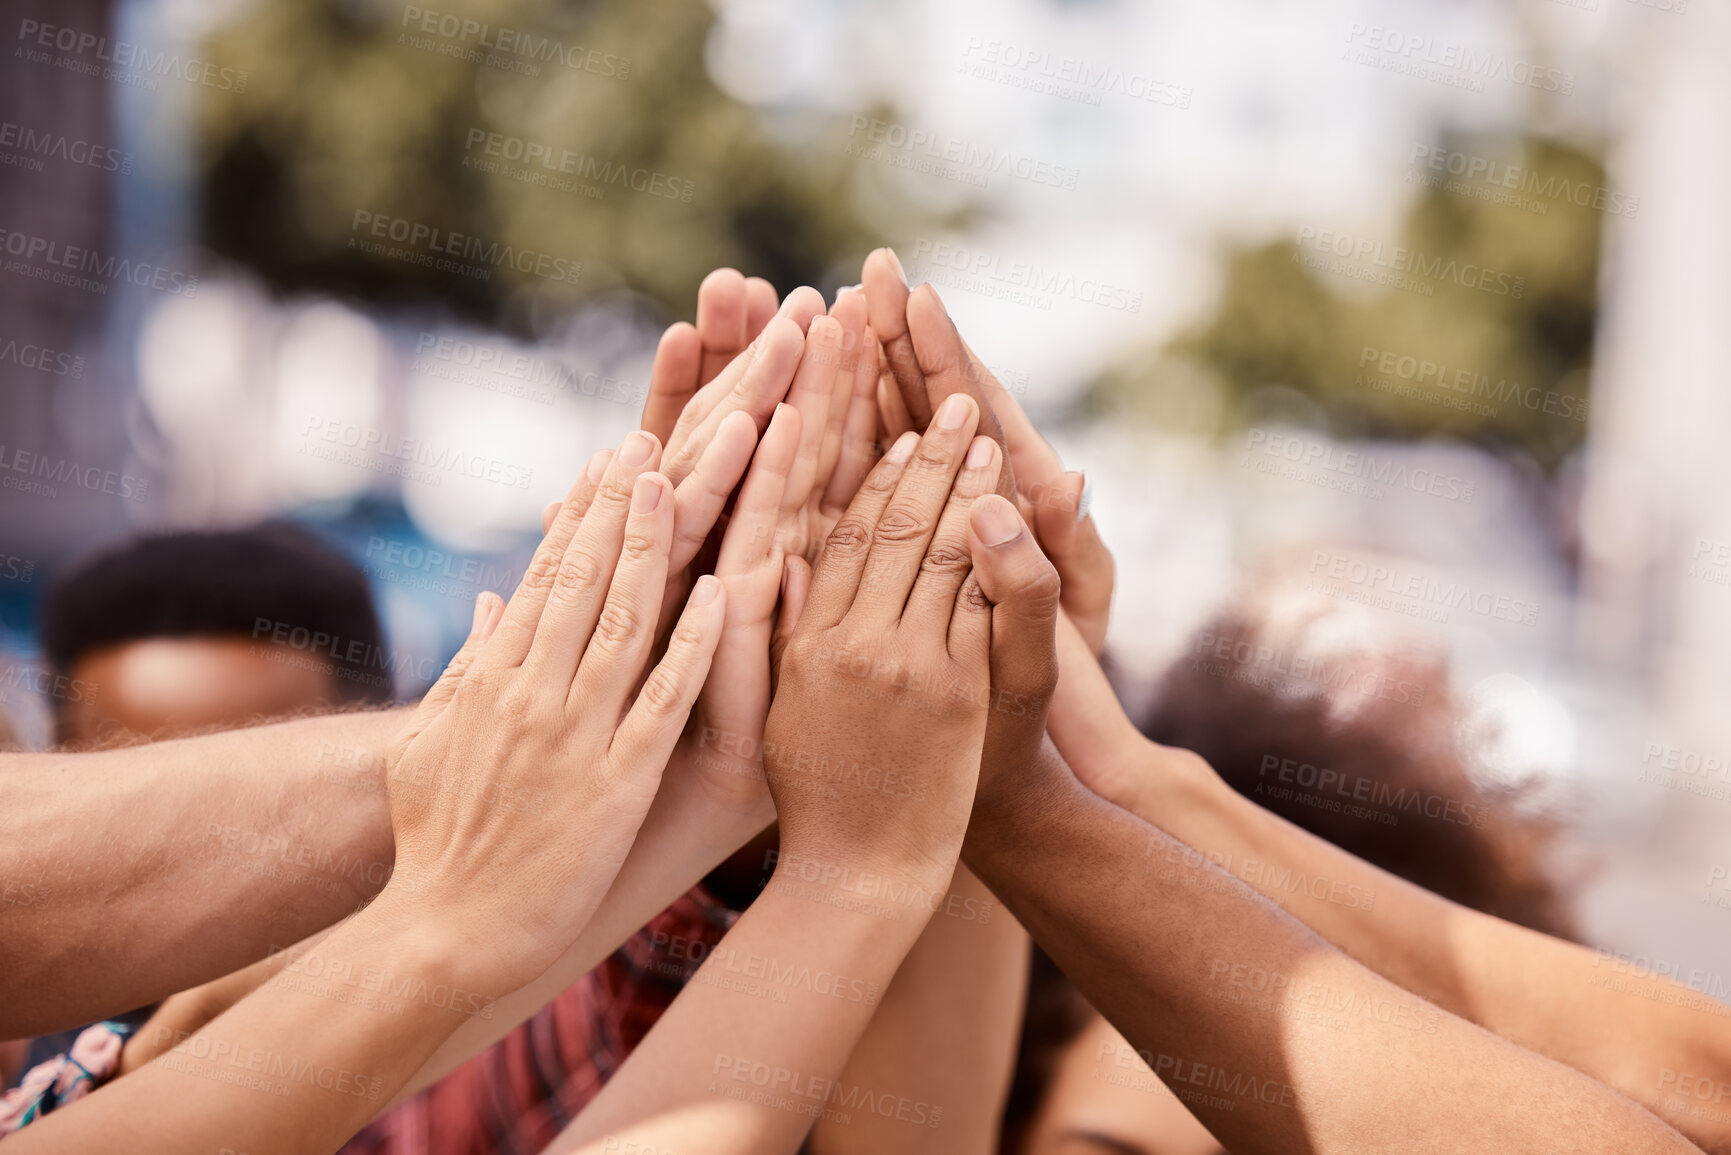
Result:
1070,537
1023,589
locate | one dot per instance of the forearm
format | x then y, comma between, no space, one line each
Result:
749,1054
683,838
139,872
1642,1035
945,1032
297,1066
1310,1059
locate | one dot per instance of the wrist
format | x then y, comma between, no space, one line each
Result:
820,937
895,888
1022,813
1167,782
401,930
1024,776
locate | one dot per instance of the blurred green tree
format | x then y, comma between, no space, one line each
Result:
540,135
1479,364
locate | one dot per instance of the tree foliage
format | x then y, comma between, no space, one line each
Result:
1509,369
352,107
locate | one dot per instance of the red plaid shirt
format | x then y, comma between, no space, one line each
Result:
515,1097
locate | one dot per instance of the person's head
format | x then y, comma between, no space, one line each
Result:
180,633
1309,709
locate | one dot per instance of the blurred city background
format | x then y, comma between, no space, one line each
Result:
1414,312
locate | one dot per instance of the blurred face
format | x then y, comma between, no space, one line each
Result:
169,687
1098,1105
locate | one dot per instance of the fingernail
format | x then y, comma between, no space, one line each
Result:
480,614
897,262
598,467
705,590
997,522
903,448
954,411
646,494
980,453
1086,501
636,450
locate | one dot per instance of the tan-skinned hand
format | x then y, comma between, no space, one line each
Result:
521,781
880,710
925,360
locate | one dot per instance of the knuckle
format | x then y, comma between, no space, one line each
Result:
803,655
1039,596
946,559
1036,680
482,682
515,702
900,524
577,576
618,627
662,694
458,666
850,538
637,546
929,458
974,598
681,462
614,494
685,637
881,480
541,569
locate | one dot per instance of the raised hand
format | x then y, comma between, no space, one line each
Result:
817,449
731,311
890,643
926,360
522,783
754,381
514,797
715,393
874,746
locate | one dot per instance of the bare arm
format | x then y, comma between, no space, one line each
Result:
1308,1055
686,835
1144,927
1660,1043
945,1031
742,1070
278,830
